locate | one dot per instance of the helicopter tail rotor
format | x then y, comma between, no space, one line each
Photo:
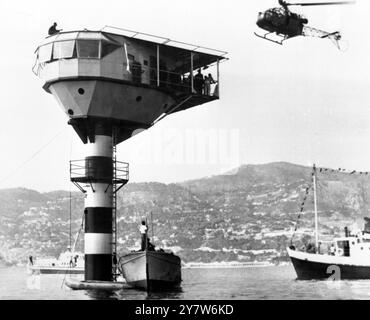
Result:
337,40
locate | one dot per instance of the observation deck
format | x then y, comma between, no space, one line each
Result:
128,78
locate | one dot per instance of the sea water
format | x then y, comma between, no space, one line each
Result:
272,282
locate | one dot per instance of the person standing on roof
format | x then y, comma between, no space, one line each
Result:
53,29
143,230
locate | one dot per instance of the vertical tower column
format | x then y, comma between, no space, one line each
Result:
98,206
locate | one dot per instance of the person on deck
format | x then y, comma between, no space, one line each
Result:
215,91
310,248
207,86
332,250
53,29
143,230
151,246
199,82
208,80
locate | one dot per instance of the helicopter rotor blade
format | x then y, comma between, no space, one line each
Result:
320,3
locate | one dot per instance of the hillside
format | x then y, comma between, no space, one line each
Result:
244,215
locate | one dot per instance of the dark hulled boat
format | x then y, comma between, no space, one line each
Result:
347,258
351,260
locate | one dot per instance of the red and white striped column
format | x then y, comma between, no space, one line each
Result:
98,206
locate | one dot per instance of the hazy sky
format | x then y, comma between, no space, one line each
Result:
302,102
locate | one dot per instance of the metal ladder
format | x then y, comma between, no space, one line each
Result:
114,208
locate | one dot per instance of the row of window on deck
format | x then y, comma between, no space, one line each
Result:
96,49
75,49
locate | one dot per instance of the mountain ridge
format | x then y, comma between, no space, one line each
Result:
247,215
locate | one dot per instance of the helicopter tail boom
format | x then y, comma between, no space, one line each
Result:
335,37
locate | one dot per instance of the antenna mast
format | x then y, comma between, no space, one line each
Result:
151,219
315,206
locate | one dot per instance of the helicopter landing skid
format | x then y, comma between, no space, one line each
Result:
270,39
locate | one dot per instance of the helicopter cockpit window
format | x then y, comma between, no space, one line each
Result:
280,12
64,50
44,54
88,48
268,14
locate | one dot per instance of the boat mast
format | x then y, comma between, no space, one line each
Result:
70,219
315,206
151,220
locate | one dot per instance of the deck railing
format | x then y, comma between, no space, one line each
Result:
82,172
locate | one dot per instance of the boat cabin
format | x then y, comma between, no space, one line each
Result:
353,246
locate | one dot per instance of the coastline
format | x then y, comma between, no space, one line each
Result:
193,265
4,263
213,265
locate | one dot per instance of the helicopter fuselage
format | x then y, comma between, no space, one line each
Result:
286,24
282,22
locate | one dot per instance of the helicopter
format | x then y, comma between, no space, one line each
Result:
287,24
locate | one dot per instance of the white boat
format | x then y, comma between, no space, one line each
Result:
76,284
151,270
67,263
348,257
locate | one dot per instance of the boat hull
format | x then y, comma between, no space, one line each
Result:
151,270
56,270
75,284
309,267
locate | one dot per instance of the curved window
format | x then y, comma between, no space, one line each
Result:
45,52
88,48
89,35
107,48
64,49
